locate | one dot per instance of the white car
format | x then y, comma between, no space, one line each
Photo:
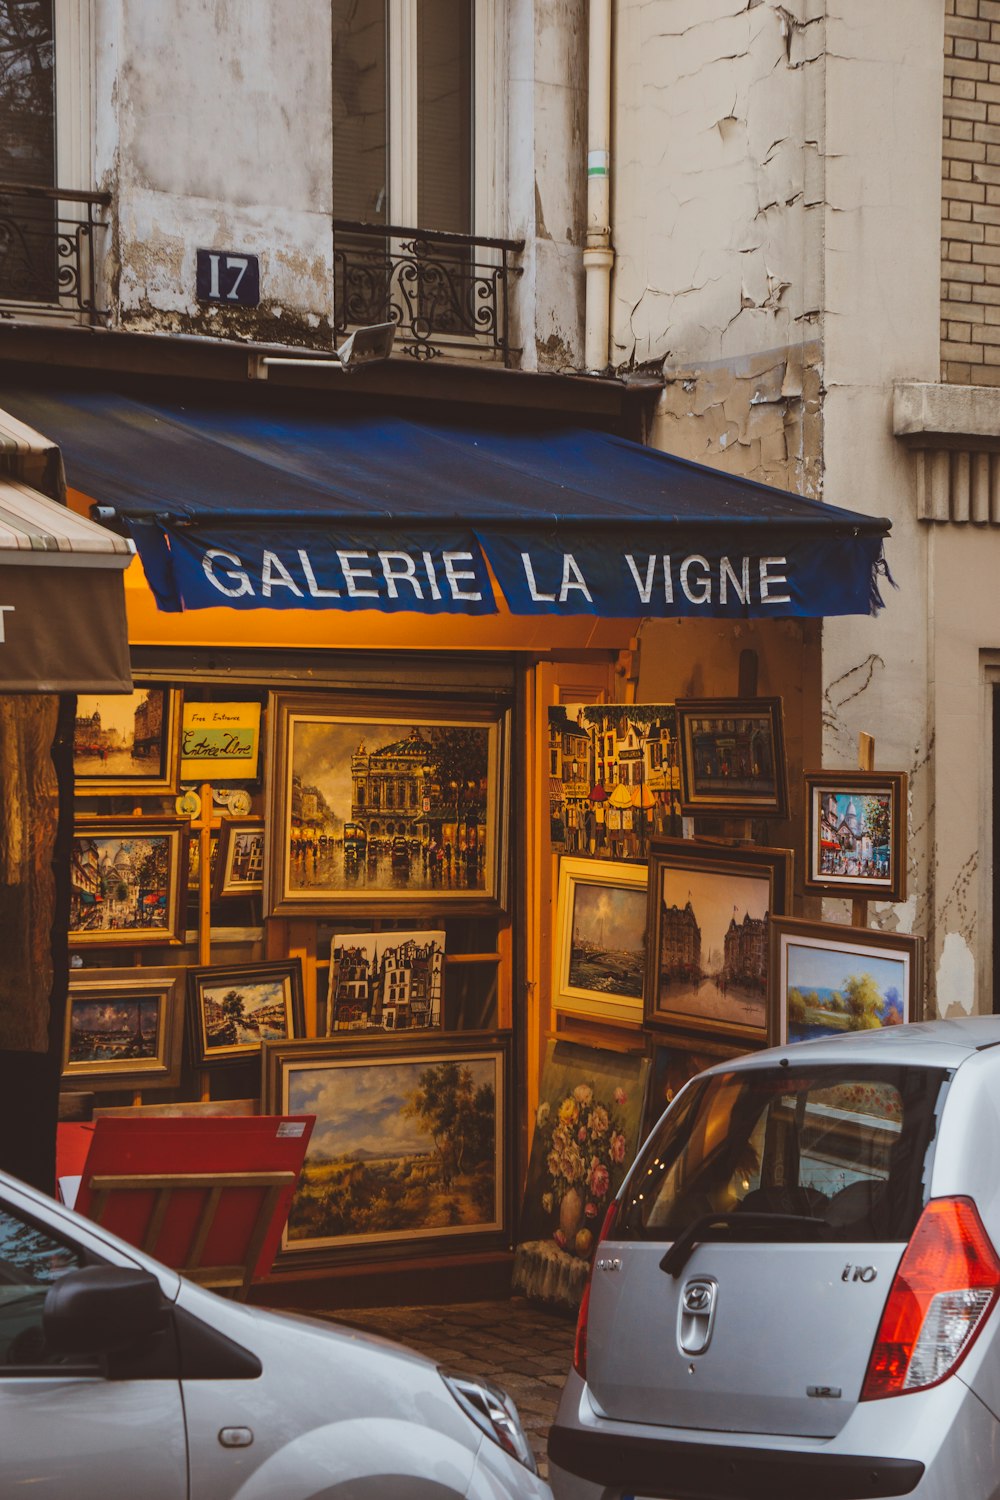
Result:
118,1378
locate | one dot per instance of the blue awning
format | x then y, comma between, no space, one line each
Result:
233,505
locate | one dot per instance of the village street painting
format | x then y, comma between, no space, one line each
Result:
402,1149
122,885
855,836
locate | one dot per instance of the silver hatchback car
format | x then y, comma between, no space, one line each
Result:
795,1292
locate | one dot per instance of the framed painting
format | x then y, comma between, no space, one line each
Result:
408,1146
239,869
709,910
856,834
828,979
600,945
675,1061
384,808
587,1130
732,753
386,981
234,1010
128,881
127,743
194,861
124,1029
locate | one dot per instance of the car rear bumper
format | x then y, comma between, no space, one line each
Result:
701,1471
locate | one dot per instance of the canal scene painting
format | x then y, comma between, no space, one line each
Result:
236,1009
831,980
404,1147
710,942
386,810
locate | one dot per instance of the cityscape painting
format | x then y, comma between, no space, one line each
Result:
408,1141
123,1028
126,882
829,979
386,981
600,943
856,834
239,870
732,757
372,811
127,742
234,1010
709,909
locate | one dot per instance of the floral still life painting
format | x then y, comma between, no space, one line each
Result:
587,1131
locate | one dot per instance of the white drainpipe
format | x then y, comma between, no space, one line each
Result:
598,256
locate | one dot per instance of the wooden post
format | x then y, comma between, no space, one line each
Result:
204,825
866,762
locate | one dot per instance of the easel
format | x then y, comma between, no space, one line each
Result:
204,823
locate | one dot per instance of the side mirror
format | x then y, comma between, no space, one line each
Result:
99,1309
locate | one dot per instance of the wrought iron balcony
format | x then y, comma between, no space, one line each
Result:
49,247
446,293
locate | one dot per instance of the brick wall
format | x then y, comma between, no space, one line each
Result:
970,208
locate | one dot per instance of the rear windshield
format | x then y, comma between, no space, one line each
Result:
844,1147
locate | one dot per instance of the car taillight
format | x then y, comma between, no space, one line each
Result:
580,1342
942,1293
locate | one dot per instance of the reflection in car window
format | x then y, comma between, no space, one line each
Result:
844,1147
30,1261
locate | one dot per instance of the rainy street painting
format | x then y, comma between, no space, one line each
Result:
713,946
608,950
402,1149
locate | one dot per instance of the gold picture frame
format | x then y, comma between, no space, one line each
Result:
599,953
128,882
128,744
124,1029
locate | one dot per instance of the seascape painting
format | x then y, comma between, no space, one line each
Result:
114,1030
404,1148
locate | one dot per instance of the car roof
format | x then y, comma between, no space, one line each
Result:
920,1043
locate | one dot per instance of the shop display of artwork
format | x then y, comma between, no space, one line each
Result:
239,870
220,741
194,860
856,834
233,1010
674,1063
126,881
127,743
709,909
386,981
124,1029
408,1143
383,811
587,1131
732,756
827,979
614,778
599,952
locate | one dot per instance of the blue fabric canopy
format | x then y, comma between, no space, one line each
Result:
232,505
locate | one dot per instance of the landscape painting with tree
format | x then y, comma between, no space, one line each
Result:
829,979
126,884
234,1010
709,910
600,946
408,1142
379,810
856,834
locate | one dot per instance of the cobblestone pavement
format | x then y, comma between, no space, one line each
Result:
520,1346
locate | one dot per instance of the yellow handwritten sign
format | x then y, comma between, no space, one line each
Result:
220,741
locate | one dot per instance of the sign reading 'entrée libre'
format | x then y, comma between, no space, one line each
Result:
435,572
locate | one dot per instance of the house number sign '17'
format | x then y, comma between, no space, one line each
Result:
228,276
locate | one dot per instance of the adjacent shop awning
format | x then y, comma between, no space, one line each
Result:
62,606
232,505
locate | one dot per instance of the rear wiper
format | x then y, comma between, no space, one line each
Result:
737,1226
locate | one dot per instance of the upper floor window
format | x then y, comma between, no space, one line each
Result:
405,102
27,92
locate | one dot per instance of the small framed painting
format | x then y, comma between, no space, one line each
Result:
239,869
233,1010
828,979
856,834
709,910
408,1145
124,1028
127,743
128,881
600,947
732,754
386,981
384,808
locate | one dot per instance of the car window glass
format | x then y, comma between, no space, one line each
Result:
843,1147
30,1261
